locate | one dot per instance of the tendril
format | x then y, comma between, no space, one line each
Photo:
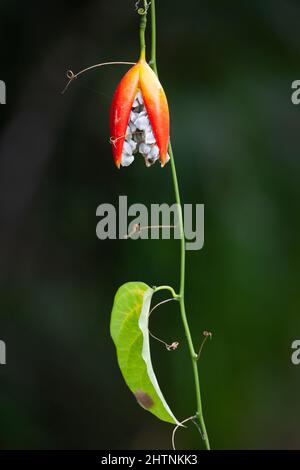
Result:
142,10
71,76
137,228
170,347
206,334
191,418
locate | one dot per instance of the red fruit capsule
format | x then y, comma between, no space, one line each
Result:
139,118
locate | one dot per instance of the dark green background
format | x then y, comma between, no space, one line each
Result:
227,69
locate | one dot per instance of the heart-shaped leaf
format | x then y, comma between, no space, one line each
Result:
129,331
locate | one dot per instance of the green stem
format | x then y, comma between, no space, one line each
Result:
169,288
193,354
143,25
153,62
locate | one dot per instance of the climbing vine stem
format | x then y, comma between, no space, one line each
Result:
153,62
193,354
143,25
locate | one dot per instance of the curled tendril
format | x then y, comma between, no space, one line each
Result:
206,334
194,421
142,10
72,76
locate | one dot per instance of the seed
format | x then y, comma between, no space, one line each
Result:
127,148
142,123
139,136
150,139
132,127
139,97
133,145
133,116
126,159
154,152
149,162
128,135
144,149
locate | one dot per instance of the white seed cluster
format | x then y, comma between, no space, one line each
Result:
139,137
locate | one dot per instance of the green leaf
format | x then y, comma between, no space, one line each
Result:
129,331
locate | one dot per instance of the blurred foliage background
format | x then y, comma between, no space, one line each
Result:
227,70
